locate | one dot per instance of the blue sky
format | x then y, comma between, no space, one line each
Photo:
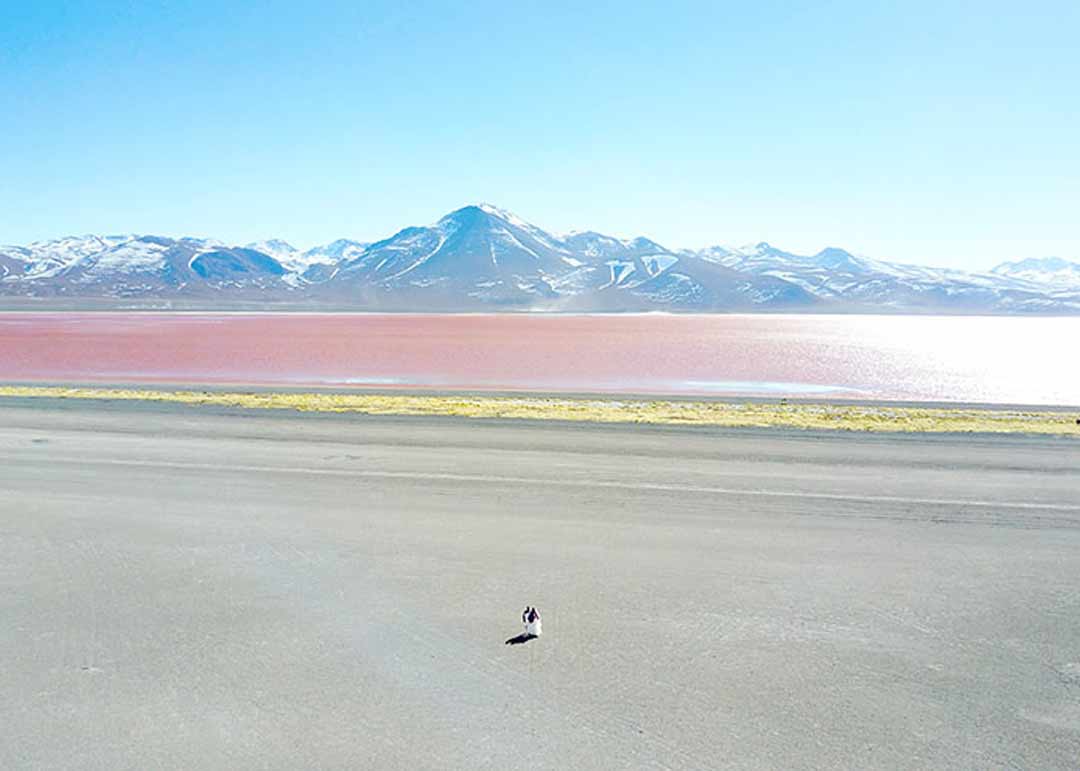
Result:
935,132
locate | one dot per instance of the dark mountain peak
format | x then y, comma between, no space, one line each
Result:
642,244
158,240
478,248
466,214
762,249
485,215
227,263
767,250
499,213
834,258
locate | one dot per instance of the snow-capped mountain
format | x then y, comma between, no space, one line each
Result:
42,258
477,254
320,263
312,266
1052,272
282,251
335,252
139,266
616,274
482,257
849,282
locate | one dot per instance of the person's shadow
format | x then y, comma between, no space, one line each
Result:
524,637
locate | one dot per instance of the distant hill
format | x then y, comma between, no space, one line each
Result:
1048,271
484,258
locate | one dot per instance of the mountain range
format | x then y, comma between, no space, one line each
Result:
484,258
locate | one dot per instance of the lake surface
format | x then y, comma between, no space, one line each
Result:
918,358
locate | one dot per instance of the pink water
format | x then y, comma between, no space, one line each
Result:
966,359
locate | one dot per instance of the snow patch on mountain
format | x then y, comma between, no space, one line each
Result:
544,238
333,253
282,251
135,256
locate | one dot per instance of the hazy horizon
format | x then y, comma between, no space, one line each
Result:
926,135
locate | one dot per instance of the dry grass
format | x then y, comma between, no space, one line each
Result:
614,410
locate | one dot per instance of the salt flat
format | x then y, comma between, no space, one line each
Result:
205,588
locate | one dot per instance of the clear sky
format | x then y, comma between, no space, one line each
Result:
937,132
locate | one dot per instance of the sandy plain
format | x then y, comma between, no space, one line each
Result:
212,587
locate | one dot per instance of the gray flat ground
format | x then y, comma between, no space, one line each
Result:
195,588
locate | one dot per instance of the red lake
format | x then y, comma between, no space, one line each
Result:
913,358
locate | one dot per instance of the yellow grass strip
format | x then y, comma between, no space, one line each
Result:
614,410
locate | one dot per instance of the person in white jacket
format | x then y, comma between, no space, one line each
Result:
532,622
530,617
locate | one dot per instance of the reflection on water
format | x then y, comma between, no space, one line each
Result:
966,359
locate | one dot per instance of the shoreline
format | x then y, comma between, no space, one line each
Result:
260,309
807,414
